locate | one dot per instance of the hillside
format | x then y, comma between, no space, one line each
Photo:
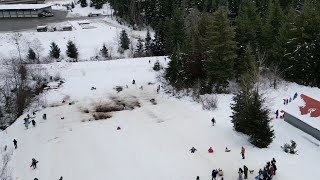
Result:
154,140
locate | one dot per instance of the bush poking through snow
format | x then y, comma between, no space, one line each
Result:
108,108
118,88
290,148
209,102
101,115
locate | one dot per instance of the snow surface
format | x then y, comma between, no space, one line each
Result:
154,141
89,41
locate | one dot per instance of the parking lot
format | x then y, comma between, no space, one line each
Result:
19,24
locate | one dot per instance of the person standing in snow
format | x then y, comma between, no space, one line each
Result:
240,174
44,116
193,150
213,121
35,179
61,178
198,178
295,96
214,174
33,123
15,143
34,163
133,81
243,151
245,172
277,113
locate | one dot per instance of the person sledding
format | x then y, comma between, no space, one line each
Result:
193,150
118,128
34,163
227,150
210,150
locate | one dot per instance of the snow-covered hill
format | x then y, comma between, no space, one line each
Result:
154,140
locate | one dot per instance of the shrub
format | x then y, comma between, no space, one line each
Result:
101,115
290,148
157,66
209,102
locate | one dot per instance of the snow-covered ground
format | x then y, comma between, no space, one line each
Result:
154,140
88,38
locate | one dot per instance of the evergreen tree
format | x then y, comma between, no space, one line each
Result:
247,27
175,35
104,51
139,49
148,45
98,4
83,3
158,45
175,72
54,50
72,50
222,51
261,134
250,117
124,40
31,54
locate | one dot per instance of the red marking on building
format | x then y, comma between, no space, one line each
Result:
312,106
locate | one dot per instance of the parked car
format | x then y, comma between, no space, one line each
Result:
45,14
93,14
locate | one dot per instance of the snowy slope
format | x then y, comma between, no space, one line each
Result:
154,141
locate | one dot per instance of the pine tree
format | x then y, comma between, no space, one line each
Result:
148,45
175,35
31,54
250,117
54,50
104,51
158,45
124,40
139,48
83,3
261,134
98,4
72,50
247,27
222,51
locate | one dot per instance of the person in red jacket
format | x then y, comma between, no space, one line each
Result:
210,150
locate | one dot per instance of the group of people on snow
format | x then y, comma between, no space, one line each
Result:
243,172
268,171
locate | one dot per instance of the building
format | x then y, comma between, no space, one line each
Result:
304,114
23,10
21,1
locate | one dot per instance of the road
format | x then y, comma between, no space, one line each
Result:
19,24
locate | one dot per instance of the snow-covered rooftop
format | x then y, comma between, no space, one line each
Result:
24,6
299,109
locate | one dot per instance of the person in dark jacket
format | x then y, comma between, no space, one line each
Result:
133,81
44,116
33,122
214,174
198,178
273,160
277,113
35,179
61,178
34,163
193,150
213,121
240,174
245,172
15,143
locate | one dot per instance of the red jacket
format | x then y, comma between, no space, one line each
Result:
210,150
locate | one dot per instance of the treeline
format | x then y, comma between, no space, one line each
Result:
216,41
